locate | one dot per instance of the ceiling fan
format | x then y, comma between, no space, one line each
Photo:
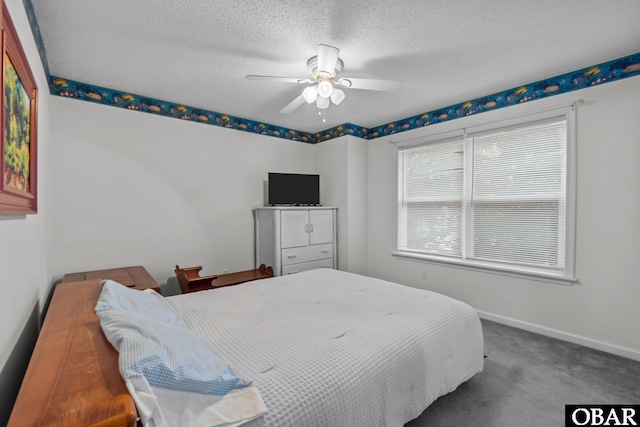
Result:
326,86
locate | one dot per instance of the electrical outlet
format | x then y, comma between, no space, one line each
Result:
425,275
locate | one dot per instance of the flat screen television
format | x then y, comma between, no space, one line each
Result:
293,189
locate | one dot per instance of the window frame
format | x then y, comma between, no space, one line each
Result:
565,276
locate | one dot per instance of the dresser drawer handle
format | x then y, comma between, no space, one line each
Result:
292,256
325,252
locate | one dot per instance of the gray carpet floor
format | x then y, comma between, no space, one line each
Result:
529,378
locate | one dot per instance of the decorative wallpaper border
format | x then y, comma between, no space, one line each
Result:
35,29
606,72
581,79
86,92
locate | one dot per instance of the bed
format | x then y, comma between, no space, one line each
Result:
322,347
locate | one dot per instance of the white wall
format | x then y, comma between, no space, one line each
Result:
602,309
342,165
357,199
25,243
137,189
331,163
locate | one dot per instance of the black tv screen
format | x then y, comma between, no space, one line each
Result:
294,189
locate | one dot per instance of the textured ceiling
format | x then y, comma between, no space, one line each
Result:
197,52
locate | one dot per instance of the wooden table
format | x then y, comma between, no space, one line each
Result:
136,277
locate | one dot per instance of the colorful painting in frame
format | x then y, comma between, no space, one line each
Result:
18,150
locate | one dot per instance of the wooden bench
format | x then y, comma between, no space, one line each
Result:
73,377
190,280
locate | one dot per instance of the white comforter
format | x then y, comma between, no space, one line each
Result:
330,348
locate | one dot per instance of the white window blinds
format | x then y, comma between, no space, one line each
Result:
494,198
518,198
433,196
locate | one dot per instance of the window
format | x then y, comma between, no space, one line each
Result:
497,196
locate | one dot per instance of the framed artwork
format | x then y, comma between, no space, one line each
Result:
19,126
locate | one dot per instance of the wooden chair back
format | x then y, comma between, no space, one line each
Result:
190,276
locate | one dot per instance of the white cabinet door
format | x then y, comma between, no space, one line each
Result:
294,228
321,226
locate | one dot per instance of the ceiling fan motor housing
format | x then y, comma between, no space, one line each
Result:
312,66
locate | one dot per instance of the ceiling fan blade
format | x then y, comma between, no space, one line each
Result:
293,105
371,84
278,79
327,60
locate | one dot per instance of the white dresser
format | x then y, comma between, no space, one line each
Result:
294,239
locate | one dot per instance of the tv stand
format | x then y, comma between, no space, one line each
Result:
296,238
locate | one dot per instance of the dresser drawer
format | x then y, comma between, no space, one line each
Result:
306,253
310,265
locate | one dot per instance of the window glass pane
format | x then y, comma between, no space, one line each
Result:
434,172
434,228
431,209
521,233
526,162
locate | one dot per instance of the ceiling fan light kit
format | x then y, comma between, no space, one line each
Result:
337,96
322,102
324,68
310,94
325,88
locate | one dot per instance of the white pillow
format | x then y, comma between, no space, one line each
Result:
169,356
170,372
147,302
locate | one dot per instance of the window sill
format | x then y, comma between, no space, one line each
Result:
487,268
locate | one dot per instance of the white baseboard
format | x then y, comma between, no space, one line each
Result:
565,336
